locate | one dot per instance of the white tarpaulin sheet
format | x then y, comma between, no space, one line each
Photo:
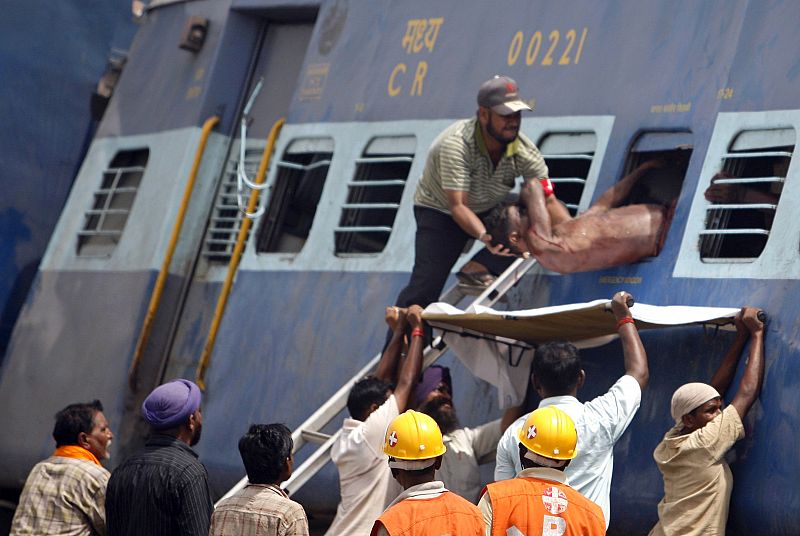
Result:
500,348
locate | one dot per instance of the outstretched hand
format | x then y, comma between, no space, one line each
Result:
619,304
414,316
747,320
497,249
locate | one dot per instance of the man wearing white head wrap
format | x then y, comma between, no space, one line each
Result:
697,480
690,396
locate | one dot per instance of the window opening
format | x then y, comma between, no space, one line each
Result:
660,185
568,156
295,195
226,219
105,221
374,195
743,196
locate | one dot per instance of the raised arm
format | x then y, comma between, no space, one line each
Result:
387,366
634,355
727,368
540,224
412,364
750,384
556,209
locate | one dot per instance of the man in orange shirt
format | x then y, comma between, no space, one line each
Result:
415,448
538,500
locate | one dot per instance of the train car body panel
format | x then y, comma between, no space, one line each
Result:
366,86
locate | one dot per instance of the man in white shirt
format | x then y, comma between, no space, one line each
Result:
365,480
557,376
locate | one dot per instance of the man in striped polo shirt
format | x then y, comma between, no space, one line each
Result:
470,169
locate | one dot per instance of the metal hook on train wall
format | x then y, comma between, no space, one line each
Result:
241,173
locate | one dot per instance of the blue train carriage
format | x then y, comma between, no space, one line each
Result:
365,87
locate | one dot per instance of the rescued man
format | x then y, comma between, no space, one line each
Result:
606,235
64,495
470,168
415,448
262,507
163,490
364,478
467,448
691,457
539,500
557,376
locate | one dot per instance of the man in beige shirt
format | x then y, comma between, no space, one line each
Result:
697,480
262,507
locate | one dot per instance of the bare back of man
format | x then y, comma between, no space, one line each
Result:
605,235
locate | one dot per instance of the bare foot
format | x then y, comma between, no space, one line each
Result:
396,318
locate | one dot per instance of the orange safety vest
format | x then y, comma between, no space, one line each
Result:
447,514
536,506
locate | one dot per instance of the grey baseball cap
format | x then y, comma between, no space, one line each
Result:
501,95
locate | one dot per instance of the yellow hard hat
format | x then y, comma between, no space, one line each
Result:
413,436
549,432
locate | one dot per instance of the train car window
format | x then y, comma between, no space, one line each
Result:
744,194
662,184
295,194
105,221
373,195
569,157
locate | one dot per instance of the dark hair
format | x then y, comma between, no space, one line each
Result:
73,420
417,473
557,367
498,224
265,448
366,391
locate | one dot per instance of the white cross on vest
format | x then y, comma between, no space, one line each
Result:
555,500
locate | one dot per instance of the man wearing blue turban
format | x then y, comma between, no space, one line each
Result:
163,489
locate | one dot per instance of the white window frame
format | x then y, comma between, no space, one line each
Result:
779,258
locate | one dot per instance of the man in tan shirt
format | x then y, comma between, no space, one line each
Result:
262,507
697,480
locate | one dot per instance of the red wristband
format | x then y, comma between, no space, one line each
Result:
417,332
547,186
625,320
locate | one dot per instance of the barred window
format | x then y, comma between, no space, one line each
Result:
295,195
569,157
105,221
374,195
743,196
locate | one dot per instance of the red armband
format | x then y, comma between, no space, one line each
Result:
417,332
547,186
626,320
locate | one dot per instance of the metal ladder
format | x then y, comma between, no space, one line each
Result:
309,431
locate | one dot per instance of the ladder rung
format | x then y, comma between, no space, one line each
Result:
369,206
315,437
386,182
